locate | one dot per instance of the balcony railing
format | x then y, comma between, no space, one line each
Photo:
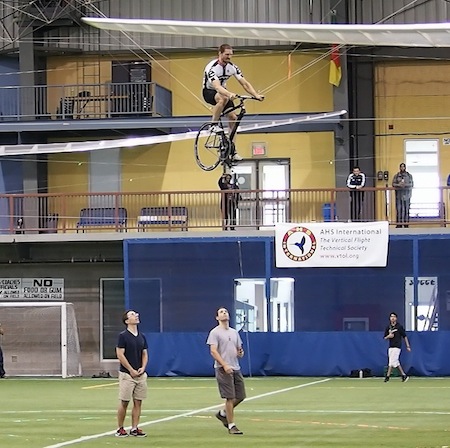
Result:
81,101
200,210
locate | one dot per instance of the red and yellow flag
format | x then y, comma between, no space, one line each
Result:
335,66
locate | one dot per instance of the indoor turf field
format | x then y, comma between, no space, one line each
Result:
279,412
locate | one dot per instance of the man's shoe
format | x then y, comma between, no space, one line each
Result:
137,433
234,430
236,157
222,419
405,378
121,433
386,379
216,129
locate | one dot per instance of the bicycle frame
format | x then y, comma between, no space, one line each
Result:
239,117
218,144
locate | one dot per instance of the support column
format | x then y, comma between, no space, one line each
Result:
27,70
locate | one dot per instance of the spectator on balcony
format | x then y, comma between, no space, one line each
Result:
356,181
229,202
403,183
2,369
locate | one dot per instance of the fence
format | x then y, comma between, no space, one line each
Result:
208,210
82,101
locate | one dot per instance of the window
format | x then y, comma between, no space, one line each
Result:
421,158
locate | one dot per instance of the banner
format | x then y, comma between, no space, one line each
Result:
335,73
331,244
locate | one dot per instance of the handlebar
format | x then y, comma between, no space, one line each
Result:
247,97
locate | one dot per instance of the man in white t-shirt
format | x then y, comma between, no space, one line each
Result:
215,77
226,347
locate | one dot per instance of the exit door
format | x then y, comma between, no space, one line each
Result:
267,207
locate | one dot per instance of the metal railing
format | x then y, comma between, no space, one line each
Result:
81,101
204,210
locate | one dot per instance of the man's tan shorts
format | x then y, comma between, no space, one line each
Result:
132,388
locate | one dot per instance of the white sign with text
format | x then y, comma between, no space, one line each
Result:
32,289
331,244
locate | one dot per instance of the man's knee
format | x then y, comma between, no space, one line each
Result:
221,100
232,116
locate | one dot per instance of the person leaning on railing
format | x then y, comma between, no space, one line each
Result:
355,182
403,183
2,370
229,201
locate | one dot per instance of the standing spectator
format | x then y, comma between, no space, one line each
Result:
226,347
356,181
394,333
403,184
2,369
229,202
132,353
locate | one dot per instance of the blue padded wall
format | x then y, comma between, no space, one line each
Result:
300,354
197,277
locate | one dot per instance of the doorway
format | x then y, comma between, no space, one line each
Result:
251,305
264,208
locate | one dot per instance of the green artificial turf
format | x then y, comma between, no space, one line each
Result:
279,412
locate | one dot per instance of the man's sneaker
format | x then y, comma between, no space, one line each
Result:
236,157
222,419
216,129
137,433
234,430
121,433
405,378
386,379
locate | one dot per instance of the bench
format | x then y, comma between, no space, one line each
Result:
103,217
169,216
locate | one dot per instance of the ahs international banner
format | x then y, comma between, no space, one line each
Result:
331,244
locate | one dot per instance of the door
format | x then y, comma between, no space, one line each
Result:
264,208
254,311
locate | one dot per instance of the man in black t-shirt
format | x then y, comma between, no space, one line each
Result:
132,354
394,333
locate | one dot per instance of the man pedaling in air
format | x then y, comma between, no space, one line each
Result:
216,75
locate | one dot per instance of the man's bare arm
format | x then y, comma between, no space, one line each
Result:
220,89
249,89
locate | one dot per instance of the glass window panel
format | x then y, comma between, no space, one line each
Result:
421,158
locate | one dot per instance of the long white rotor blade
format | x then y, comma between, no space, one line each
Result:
66,147
409,35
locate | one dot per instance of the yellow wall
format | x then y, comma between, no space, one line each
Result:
288,88
68,173
413,98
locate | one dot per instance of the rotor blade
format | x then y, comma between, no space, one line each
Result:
69,147
409,35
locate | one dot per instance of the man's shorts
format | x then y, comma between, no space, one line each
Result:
394,356
209,97
230,385
132,388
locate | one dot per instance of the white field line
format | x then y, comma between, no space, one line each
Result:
183,414
241,411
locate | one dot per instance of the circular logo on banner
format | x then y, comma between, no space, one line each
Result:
299,243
